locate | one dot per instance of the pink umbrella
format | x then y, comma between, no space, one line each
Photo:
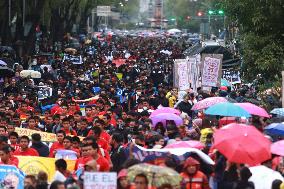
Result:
278,148
253,109
165,110
186,144
164,117
207,102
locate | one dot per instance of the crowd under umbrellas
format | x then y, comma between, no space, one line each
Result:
109,106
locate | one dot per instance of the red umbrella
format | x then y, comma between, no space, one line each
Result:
241,143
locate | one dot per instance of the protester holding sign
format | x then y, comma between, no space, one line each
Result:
131,102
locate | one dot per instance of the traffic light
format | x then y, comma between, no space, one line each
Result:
221,12
188,17
210,12
200,13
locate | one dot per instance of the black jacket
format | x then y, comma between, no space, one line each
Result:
118,157
41,148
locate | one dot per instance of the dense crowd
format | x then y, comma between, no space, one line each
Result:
99,109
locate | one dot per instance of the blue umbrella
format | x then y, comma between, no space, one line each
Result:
226,83
278,111
227,109
275,129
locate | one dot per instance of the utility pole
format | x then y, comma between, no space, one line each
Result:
282,89
24,12
9,16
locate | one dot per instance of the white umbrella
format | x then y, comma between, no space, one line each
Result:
262,177
174,31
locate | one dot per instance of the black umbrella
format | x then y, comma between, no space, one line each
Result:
6,72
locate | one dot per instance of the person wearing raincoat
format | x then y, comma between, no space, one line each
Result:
192,177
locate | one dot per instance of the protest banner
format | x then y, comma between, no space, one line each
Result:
100,180
11,177
193,72
44,92
156,155
49,68
31,165
46,137
233,76
211,70
66,154
73,59
181,74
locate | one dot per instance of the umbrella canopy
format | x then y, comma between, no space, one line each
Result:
156,175
2,63
164,117
5,71
242,144
174,31
186,144
165,110
278,111
207,102
275,129
227,109
253,109
262,177
278,148
225,83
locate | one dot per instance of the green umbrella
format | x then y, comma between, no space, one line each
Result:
157,175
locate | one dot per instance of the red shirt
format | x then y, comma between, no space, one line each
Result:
69,132
89,119
16,146
27,152
80,163
105,136
102,164
103,143
12,161
55,146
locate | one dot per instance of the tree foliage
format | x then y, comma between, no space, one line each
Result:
56,16
261,35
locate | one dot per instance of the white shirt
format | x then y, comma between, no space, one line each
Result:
59,176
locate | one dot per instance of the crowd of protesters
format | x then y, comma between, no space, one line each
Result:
98,114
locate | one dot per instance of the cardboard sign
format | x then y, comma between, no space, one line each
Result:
73,59
181,74
211,70
100,180
66,154
44,92
233,76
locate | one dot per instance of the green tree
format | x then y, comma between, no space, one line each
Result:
58,17
261,35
